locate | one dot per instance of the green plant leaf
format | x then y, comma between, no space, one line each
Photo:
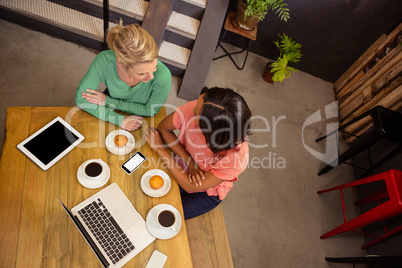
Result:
259,8
294,56
280,69
289,48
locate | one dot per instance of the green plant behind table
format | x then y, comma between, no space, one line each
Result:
260,8
289,52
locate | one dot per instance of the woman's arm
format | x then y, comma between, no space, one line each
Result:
166,128
150,108
91,81
94,102
154,139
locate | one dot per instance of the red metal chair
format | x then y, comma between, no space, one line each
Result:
388,209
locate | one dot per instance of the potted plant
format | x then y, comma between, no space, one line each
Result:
250,12
289,51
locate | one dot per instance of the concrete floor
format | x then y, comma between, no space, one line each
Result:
273,215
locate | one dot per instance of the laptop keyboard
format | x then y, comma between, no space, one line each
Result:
106,230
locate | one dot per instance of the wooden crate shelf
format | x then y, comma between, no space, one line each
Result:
374,79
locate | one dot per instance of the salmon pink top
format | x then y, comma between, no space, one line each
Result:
226,165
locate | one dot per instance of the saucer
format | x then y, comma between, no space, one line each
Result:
90,183
116,150
146,188
153,226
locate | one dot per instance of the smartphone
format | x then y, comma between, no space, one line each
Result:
133,162
157,260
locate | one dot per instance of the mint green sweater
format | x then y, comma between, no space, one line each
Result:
144,99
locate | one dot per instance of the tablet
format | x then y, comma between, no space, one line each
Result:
50,143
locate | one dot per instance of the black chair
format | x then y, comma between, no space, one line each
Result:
387,125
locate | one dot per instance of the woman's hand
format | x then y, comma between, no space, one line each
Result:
154,139
195,175
94,97
131,123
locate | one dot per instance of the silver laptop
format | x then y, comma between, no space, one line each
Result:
112,227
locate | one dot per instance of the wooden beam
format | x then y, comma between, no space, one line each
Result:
156,18
359,64
370,54
350,88
203,50
374,101
359,128
356,89
345,89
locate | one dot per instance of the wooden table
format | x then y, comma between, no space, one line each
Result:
35,230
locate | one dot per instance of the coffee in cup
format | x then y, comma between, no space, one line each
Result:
166,219
93,169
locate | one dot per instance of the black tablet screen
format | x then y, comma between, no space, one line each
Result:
51,142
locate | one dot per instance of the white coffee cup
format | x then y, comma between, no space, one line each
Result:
93,169
166,219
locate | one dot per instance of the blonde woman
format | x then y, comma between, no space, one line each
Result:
137,82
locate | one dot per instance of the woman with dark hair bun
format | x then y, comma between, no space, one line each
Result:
211,149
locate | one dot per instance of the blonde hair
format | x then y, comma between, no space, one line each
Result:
132,44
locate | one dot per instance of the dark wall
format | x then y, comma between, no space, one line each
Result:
333,33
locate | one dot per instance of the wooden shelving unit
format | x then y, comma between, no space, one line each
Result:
374,79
